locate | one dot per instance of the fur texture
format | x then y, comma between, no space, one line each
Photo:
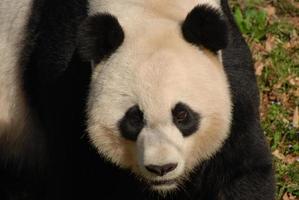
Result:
41,62
204,26
13,112
21,139
99,37
56,86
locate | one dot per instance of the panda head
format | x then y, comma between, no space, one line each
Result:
159,101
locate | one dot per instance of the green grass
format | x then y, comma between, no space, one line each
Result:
271,29
252,22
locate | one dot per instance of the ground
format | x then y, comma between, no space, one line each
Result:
271,28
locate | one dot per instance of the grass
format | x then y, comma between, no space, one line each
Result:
271,28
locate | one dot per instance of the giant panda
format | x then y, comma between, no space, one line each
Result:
173,101
139,99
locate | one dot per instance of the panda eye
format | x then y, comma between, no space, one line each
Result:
181,116
185,119
135,116
132,123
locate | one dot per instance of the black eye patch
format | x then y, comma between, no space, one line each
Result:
132,123
185,119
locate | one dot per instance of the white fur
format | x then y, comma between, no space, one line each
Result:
13,18
156,68
175,9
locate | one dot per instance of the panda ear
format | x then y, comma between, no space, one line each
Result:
99,36
205,26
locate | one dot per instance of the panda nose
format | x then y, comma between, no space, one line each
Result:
161,170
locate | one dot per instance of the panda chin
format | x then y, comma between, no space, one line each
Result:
164,189
161,187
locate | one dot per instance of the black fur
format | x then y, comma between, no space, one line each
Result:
188,124
132,123
56,82
205,26
100,35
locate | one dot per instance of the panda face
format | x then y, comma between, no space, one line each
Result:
158,105
159,112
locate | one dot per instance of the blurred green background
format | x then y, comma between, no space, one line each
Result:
271,28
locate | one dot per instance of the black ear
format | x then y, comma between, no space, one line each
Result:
205,26
99,36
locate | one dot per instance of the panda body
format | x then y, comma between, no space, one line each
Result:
171,110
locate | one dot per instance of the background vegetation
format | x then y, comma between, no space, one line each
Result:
271,28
